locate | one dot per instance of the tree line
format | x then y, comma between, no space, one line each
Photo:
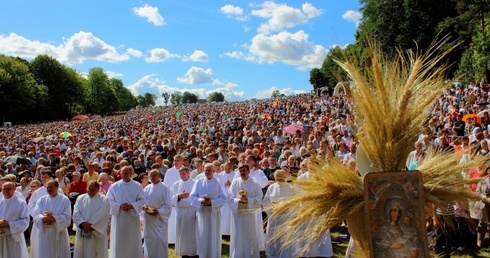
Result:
414,24
43,89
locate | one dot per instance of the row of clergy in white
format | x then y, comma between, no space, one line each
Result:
198,206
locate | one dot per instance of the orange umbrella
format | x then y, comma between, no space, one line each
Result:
80,118
471,116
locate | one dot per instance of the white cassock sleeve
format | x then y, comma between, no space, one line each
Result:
166,207
218,201
17,227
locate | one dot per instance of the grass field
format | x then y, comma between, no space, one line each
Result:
339,249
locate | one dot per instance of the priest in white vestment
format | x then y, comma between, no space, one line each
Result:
46,176
14,220
185,243
323,246
52,216
277,192
245,199
208,197
126,200
258,176
226,177
171,176
90,222
155,215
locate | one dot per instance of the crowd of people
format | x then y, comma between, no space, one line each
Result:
188,175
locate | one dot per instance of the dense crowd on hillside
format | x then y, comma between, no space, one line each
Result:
271,141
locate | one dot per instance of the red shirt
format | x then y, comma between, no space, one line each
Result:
81,187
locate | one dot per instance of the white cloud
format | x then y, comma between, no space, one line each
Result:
352,16
235,12
267,93
283,16
159,55
196,56
150,13
112,74
289,48
134,52
74,50
196,75
153,84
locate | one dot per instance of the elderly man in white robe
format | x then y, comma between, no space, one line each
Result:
171,176
14,220
245,198
155,215
52,216
208,197
277,192
226,177
126,200
46,176
185,243
90,222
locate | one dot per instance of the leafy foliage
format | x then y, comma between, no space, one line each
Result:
216,96
188,97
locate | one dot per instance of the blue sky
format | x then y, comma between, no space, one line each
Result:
243,49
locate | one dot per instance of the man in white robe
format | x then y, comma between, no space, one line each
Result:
226,177
14,220
126,199
258,176
171,176
90,222
52,216
46,176
208,197
245,198
185,243
155,217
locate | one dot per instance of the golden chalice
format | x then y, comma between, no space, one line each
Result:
207,197
242,192
1,222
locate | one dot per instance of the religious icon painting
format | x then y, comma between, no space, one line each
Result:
395,217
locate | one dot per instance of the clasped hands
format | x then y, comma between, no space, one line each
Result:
86,227
126,206
48,219
243,200
206,202
4,224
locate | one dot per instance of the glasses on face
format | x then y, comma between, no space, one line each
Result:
34,186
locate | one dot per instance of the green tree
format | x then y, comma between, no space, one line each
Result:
176,98
20,95
216,96
150,99
126,99
64,88
102,96
276,94
141,101
166,97
188,97
317,78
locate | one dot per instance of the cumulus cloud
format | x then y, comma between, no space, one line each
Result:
196,75
150,13
352,16
289,48
74,50
134,52
234,12
159,55
267,93
151,83
196,56
283,16
112,74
